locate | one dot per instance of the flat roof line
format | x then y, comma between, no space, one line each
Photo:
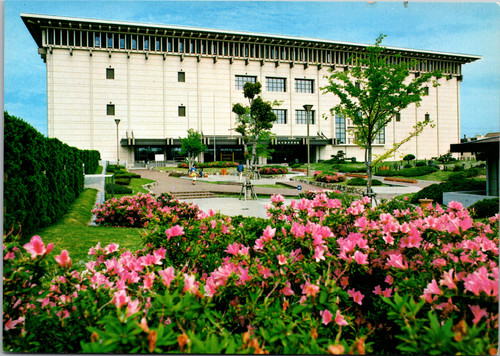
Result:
242,33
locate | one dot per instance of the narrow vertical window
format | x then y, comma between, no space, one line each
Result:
181,111
110,73
110,110
398,117
181,77
340,129
380,137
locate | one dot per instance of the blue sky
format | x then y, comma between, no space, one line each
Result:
456,27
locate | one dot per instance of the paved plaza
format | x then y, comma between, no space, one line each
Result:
231,185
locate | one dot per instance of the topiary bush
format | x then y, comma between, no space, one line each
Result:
358,181
484,208
409,172
123,181
112,188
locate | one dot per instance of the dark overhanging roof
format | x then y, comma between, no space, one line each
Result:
490,144
34,22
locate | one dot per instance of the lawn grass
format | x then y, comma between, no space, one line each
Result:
72,232
136,186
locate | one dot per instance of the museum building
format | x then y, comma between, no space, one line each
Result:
131,90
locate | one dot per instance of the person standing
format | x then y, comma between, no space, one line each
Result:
240,170
192,173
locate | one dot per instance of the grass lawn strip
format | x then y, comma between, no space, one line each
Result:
72,232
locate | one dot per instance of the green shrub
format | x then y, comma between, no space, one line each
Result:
117,189
455,183
113,168
127,175
348,169
458,168
409,172
484,208
420,164
42,176
358,181
295,165
123,181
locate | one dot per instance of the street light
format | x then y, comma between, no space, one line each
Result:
308,108
117,143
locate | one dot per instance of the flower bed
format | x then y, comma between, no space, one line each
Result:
328,177
316,277
403,180
273,170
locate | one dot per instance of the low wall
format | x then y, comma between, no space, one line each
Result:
465,198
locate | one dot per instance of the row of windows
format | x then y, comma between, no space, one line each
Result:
276,84
281,115
197,46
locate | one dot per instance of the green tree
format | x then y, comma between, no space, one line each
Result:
372,92
192,146
254,124
409,157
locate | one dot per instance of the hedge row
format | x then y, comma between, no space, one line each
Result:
43,176
409,172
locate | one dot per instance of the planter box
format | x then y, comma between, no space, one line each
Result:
402,180
356,175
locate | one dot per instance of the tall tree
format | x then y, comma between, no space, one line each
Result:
192,146
372,92
254,124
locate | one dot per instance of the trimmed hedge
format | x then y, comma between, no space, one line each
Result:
43,176
111,188
484,208
358,181
455,183
123,181
409,172
219,164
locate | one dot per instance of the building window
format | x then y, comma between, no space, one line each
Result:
280,116
380,137
340,129
304,85
426,90
398,117
110,109
276,84
181,77
110,73
301,117
182,111
240,80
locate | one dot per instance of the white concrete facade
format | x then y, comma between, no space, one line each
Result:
147,93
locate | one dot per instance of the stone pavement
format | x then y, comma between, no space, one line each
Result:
233,206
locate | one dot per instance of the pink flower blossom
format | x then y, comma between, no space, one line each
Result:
478,313
268,233
120,298
112,247
63,259
287,290
357,296
377,290
190,284
132,307
233,249
174,231
36,247
281,259
360,258
11,324
448,280
167,276
149,280
339,319
319,253
9,256
310,289
326,316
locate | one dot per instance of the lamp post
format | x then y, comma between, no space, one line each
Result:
308,108
117,143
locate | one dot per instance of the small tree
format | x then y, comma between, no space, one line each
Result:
372,93
192,146
409,157
254,124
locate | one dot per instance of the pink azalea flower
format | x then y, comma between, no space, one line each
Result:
357,296
174,231
190,284
11,324
132,307
120,298
339,319
326,315
277,198
268,233
167,276
389,279
63,259
36,247
377,290
478,313
112,247
310,289
287,290
387,292
233,249
9,256
360,258
319,253
281,259
448,280
149,280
